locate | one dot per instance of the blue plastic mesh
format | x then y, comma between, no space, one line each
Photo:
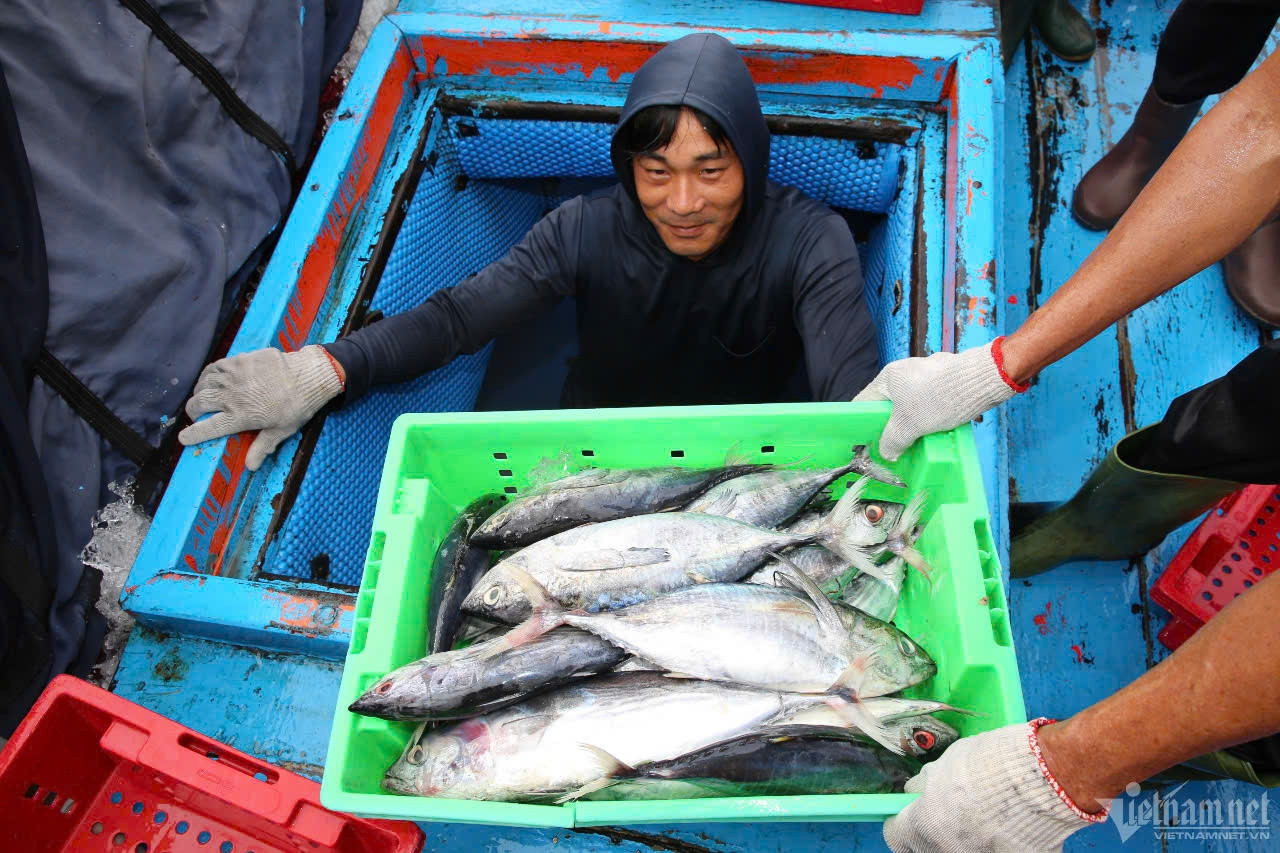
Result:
886,272
512,148
853,175
446,235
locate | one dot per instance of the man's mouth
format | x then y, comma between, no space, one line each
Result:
687,230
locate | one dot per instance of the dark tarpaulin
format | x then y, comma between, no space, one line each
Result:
152,201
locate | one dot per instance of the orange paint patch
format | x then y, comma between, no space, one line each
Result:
519,56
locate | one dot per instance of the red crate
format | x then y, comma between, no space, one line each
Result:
1236,546
87,770
899,7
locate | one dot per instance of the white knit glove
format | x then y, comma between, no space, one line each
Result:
937,393
987,794
268,390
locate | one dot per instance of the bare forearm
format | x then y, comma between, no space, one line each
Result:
1220,688
1217,187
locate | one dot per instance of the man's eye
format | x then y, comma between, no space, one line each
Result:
711,173
657,173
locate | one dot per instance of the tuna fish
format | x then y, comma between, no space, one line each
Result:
771,498
597,494
543,748
779,761
791,639
451,685
617,563
457,567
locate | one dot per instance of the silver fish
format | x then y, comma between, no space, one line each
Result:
781,761
541,749
874,596
791,639
770,498
881,528
457,567
454,684
617,563
597,494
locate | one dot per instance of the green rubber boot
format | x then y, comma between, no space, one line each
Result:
1120,512
1064,30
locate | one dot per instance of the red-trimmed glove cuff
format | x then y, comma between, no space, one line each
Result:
337,368
997,354
1033,738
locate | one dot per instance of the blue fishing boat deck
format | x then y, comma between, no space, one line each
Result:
1081,632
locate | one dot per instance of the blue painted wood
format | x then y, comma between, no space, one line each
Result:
275,706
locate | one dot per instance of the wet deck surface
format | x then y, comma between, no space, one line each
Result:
1082,631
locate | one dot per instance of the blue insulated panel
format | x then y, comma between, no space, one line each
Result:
511,148
887,272
841,173
448,233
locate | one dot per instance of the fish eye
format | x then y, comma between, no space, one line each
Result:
908,647
873,513
384,687
924,738
417,754
492,594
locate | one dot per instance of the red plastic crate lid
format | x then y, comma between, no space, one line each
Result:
87,770
1236,545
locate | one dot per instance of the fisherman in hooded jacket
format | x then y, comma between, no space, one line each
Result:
696,280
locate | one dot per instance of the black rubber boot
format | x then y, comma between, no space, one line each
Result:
1120,512
1107,190
1252,274
1015,20
1064,30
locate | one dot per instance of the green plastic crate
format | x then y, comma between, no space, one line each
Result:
437,463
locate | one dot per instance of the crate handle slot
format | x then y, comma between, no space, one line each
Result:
190,759
217,752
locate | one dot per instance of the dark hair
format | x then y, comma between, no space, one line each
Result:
652,129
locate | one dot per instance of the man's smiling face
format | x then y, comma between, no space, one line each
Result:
691,189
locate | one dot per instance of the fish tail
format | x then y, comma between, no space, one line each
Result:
611,768
863,464
547,614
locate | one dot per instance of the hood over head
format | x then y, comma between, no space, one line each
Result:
704,71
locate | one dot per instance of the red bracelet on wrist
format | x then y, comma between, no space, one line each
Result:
997,354
1033,738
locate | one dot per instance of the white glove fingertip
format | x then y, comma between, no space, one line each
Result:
264,445
207,430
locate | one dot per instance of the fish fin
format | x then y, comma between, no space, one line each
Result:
696,576
790,575
837,533
547,614
905,531
864,465
610,766
615,558
853,711
679,675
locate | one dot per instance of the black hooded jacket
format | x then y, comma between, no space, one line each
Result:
655,328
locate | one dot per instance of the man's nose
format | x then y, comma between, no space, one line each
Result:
685,197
